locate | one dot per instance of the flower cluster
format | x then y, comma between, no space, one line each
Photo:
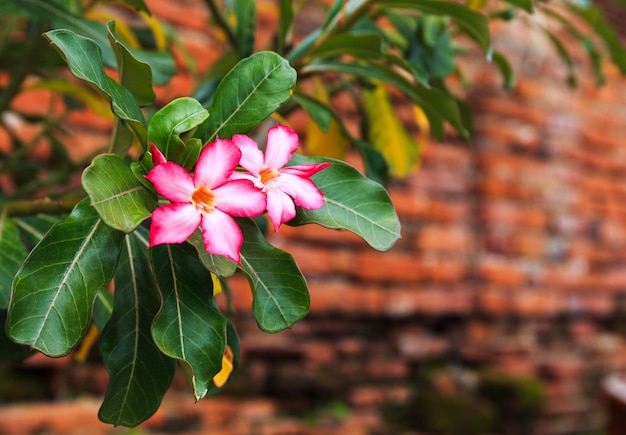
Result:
216,192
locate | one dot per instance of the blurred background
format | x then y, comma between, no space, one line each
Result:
502,310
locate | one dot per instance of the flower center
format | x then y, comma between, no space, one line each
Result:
266,175
203,198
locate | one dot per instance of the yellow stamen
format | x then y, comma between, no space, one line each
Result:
267,175
203,199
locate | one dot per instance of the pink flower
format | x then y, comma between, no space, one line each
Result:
208,200
283,186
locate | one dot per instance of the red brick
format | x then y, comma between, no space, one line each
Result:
501,271
444,238
418,205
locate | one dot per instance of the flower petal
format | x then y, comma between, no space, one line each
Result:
280,207
305,170
238,175
171,181
282,142
251,155
303,191
216,163
173,223
157,156
221,235
240,198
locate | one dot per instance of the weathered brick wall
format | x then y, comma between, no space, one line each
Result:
511,259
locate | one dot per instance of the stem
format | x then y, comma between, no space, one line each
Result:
43,205
222,22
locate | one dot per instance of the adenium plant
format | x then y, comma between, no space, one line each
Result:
179,200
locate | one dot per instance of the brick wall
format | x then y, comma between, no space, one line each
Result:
511,260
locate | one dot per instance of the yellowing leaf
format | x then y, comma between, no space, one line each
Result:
217,285
423,125
227,368
331,143
387,134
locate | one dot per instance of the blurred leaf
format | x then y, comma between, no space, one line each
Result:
12,255
120,199
387,134
565,57
595,18
376,167
361,46
430,50
352,202
136,76
75,90
172,120
504,66
85,62
9,350
437,105
285,23
332,142
139,372
54,290
245,11
255,88
318,111
280,293
62,18
189,327
138,5
475,23
526,5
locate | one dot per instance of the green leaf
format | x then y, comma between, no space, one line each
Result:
140,373
84,58
12,255
53,291
172,120
189,326
218,264
62,18
505,69
120,199
232,340
352,202
135,75
285,24
248,94
475,23
361,46
281,296
245,11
